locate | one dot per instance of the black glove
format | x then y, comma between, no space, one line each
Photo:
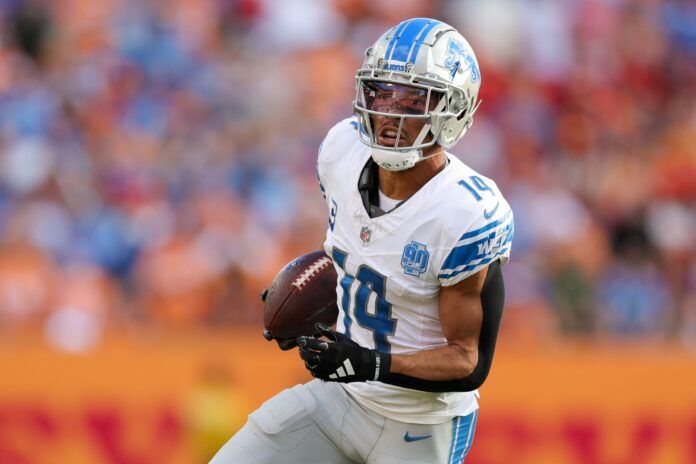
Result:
340,359
283,343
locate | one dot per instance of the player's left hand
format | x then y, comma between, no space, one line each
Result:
338,358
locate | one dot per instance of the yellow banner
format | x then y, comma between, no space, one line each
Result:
175,398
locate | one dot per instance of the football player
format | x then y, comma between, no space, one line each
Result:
418,239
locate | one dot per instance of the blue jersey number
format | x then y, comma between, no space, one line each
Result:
480,185
378,319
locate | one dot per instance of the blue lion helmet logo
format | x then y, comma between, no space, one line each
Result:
458,56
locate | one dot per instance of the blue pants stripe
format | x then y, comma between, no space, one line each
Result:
462,437
455,428
470,438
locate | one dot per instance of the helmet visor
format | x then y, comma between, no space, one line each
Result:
396,115
397,99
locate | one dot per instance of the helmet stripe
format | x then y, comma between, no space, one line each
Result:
419,40
405,42
395,38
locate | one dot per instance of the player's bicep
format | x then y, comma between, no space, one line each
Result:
461,313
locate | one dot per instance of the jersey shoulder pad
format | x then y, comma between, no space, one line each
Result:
479,228
338,140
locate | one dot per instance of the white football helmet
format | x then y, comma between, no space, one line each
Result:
423,69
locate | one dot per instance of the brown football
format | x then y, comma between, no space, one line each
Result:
303,292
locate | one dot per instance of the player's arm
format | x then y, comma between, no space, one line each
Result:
471,318
461,316
470,313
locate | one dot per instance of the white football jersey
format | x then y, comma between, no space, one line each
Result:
390,268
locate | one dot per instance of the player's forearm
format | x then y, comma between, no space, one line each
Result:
449,362
408,372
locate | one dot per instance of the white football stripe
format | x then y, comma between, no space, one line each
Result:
341,372
333,376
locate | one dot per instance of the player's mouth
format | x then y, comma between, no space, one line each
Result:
388,135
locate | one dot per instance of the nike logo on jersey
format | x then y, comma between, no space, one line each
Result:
410,438
490,214
344,371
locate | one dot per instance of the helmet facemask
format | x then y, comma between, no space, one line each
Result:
403,98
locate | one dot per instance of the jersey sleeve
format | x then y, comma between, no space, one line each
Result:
339,137
488,238
321,181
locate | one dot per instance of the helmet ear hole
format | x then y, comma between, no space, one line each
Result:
460,108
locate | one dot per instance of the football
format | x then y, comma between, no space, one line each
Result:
303,292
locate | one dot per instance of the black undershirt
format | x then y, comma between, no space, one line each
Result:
368,186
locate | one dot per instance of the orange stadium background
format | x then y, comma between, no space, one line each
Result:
157,167
175,398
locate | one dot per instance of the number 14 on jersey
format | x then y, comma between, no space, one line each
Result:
380,322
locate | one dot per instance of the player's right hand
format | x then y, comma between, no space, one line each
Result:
331,356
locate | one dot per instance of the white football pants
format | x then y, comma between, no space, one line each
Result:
319,423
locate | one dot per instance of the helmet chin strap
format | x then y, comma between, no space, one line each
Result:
399,161
395,160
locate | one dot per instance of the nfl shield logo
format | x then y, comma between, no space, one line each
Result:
365,234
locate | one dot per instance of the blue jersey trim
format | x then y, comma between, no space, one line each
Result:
471,267
485,228
465,254
471,255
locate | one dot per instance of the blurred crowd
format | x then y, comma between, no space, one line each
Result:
157,158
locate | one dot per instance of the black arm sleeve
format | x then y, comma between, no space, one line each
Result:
492,302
